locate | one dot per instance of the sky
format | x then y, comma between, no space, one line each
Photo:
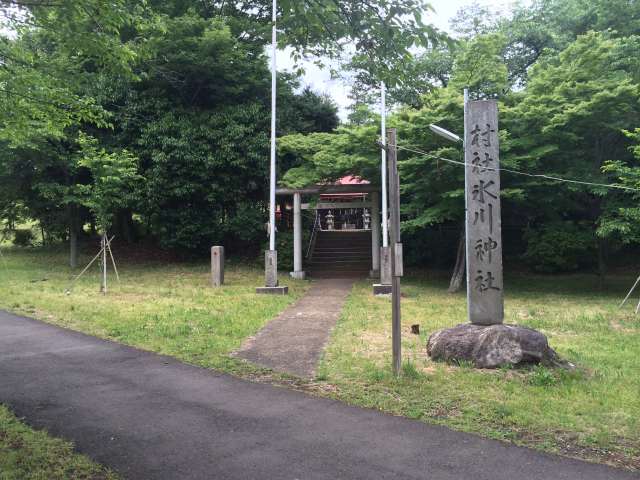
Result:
321,81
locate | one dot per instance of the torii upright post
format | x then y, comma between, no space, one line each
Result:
483,225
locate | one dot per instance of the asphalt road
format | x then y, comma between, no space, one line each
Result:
151,417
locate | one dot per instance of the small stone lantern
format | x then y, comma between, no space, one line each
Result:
329,219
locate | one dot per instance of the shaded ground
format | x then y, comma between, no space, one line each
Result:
150,416
294,341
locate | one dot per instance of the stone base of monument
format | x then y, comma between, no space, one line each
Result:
273,290
381,289
301,275
492,346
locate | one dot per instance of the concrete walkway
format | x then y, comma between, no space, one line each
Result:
152,417
294,341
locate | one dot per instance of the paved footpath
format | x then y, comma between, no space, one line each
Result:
151,417
293,342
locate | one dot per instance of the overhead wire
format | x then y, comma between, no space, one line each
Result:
518,172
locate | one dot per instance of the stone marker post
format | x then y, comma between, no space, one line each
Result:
375,235
385,285
483,226
217,266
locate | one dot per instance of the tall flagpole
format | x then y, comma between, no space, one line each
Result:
271,256
383,116
272,186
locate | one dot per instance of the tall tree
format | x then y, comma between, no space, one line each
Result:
570,120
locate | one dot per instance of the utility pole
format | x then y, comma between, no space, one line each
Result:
396,249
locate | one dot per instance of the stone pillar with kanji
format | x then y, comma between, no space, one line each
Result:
483,226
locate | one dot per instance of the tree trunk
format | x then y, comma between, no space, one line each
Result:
73,236
457,277
124,226
602,261
73,248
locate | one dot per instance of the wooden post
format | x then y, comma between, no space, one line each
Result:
396,247
103,288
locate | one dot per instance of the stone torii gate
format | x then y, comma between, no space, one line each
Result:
373,204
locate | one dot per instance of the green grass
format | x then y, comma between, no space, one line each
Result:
163,307
592,412
27,454
167,308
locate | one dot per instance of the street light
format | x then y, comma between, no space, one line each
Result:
452,137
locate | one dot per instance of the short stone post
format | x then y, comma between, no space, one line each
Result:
271,268
217,266
297,237
483,225
271,275
375,235
384,287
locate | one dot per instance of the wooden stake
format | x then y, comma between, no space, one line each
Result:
115,269
68,290
103,287
629,294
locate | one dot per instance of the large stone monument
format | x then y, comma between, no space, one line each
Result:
483,226
485,341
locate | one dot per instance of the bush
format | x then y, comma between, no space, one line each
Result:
559,247
23,237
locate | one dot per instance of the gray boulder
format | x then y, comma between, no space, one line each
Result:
491,346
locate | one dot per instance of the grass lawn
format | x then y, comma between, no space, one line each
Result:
166,308
591,413
27,454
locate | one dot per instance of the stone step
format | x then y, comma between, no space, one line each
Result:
342,251
339,267
340,255
325,256
332,274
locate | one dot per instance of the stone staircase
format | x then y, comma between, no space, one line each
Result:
338,254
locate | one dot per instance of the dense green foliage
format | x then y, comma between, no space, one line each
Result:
175,94
181,86
569,93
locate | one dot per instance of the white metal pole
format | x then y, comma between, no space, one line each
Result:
383,116
272,184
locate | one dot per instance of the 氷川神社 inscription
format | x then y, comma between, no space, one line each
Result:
483,226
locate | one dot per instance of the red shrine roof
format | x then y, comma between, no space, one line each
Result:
351,180
347,180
